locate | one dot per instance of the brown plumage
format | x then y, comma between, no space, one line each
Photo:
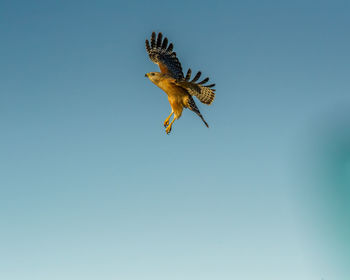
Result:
178,88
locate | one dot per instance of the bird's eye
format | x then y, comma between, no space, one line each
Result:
152,74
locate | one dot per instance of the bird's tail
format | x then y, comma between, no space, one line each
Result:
205,93
193,107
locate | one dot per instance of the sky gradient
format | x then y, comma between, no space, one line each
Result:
91,187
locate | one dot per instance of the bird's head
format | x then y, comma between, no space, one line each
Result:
154,76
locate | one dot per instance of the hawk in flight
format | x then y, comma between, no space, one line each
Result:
172,80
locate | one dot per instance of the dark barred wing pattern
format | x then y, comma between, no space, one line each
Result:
193,107
164,56
205,93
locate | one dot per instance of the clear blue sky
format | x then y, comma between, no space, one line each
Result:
91,187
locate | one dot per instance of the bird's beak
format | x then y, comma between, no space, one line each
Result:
146,75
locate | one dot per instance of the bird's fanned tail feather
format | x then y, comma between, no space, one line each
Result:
205,93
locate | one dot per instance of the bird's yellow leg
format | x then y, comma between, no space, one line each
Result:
168,129
166,122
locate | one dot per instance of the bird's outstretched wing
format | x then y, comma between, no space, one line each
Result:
193,107
203,92
162,54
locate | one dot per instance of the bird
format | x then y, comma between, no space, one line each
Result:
171,80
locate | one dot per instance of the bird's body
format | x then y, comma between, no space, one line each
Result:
172,81
177,96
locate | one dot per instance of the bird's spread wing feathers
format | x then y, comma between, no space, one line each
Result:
193,107
203,92
163,55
